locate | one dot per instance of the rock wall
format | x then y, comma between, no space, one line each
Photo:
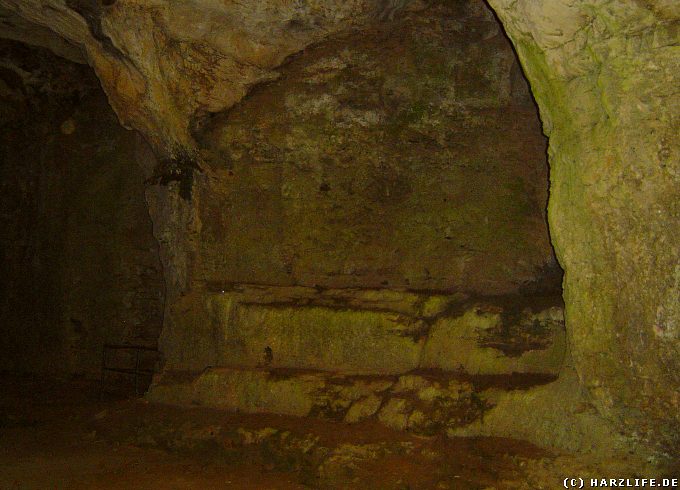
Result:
166,64
404,156
80,264
605,75
603,72
363,331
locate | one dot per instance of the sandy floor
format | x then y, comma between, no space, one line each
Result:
47,442
61,436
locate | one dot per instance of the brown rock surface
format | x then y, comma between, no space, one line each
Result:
604,73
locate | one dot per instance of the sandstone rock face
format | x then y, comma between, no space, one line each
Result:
551,414
336,174
404,155
605,76
428,406
165,64
80,265
604,73
363,166
349,331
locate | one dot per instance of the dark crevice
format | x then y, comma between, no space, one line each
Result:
92,11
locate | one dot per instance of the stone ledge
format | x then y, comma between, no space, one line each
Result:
365,332
420,402
542,409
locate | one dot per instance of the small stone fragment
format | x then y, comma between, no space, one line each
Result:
363,409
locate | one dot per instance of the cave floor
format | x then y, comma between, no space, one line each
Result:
61,435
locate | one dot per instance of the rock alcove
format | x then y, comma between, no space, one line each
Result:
338,209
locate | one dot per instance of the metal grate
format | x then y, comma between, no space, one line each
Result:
136,370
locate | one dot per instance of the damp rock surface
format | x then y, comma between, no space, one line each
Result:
118,443
364,331
604,75
403,155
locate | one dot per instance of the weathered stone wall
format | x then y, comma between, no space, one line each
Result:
364,331
166,63
605,75
405,156
402,151
80,265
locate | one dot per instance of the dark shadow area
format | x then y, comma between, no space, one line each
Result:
80,264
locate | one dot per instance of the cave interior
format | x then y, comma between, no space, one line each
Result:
390,244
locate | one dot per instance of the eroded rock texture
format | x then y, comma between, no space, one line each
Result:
405,155
80,266
605,75
166,64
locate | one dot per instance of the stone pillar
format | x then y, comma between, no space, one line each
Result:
605,76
